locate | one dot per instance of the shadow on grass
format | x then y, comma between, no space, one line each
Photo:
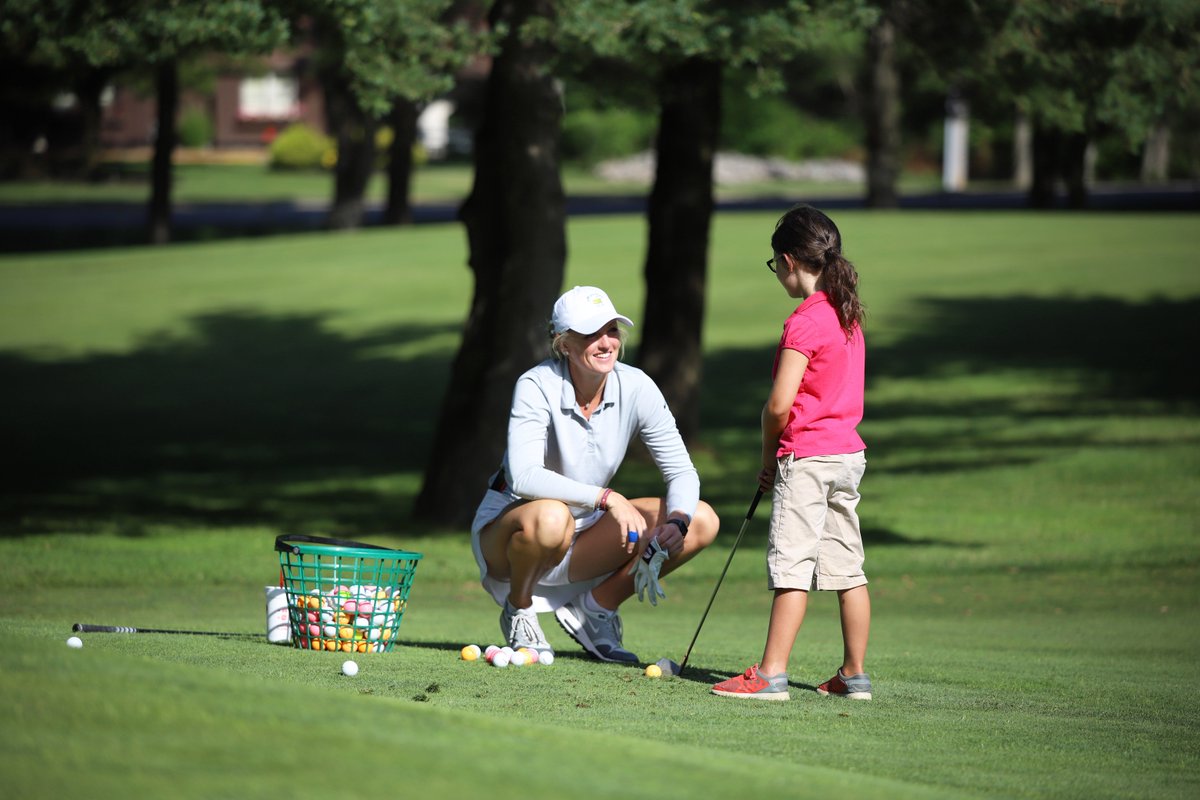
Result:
1123,358
276,420
246,420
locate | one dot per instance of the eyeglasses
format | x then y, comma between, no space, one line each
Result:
771,264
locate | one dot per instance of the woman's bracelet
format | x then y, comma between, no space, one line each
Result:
602,504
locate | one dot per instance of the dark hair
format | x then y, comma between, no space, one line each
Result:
806,234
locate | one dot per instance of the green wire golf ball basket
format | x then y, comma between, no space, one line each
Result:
344,596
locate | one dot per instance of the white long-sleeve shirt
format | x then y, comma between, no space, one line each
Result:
554,452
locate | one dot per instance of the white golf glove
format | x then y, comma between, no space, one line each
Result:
645,572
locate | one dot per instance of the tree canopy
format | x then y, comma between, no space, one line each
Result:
1081,65
127,33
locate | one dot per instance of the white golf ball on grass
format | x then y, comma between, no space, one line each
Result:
349,668
75,643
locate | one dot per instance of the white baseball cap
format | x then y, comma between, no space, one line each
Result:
584,309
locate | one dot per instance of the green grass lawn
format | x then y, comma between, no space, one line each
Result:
1030,512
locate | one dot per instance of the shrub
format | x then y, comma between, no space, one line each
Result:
195,128
591,135
299,146
770,126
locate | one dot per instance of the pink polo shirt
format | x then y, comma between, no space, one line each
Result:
829,405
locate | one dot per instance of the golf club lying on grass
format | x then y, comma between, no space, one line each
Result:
668,666
82,627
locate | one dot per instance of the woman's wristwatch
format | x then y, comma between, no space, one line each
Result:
681,524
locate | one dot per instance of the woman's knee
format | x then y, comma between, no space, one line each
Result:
705,524
548,527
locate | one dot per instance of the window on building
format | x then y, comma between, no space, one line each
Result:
270,96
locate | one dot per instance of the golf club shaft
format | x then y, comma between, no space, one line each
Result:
83,627
749,514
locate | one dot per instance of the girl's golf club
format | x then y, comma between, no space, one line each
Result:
678,669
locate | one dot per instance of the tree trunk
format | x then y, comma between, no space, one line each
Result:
159,217
679,214
1075,168
355,155
88,88
1156,157
882,111
516,229
1044,185
403,120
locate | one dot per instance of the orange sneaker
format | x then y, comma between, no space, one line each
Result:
754,685
853,687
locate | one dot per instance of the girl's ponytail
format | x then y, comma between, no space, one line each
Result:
809,235
841,285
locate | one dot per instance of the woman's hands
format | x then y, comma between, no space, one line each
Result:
665,540
628,519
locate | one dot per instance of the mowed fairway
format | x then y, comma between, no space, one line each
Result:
1030,509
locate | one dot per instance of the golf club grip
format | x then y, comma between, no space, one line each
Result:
82,627
754,503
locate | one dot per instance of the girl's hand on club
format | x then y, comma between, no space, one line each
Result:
766,478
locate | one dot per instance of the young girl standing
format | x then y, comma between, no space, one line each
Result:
812,458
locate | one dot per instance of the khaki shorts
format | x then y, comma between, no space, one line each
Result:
815,542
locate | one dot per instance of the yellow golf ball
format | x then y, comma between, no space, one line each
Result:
470,652
654,671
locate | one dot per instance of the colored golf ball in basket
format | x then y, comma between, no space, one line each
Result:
75,642
654,671
349,668
470,652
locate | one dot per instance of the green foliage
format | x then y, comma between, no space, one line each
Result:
589,136
299,146
757,35
120,33
1088,64
386,49
771,126
195,128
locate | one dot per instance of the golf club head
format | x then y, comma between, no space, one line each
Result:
668,666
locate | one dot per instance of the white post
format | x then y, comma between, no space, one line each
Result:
1022,152
433,127
954,145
